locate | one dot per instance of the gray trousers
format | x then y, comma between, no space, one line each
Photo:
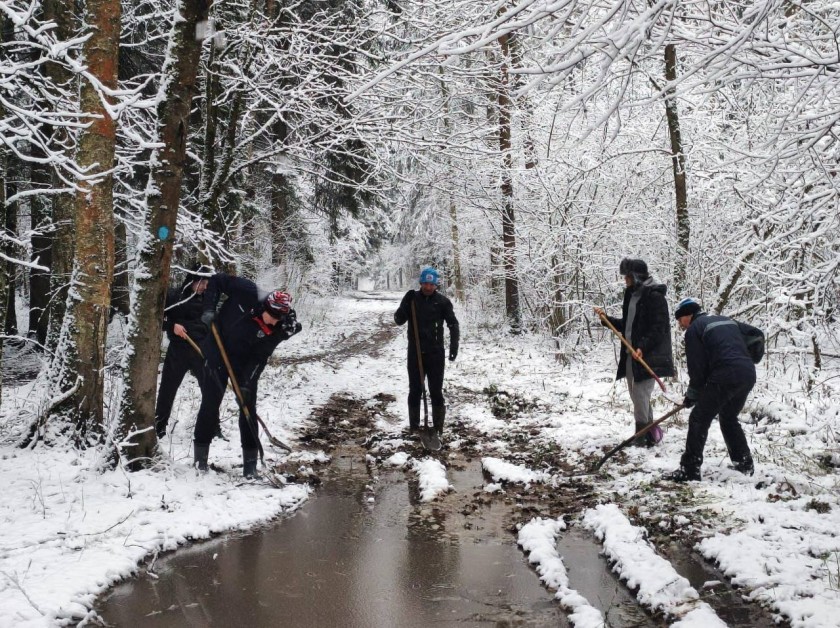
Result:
640,393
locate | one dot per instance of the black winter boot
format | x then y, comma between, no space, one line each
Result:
249,463
438,416
413,418
683,475
200,454
745,466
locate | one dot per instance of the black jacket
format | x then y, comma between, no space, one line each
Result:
651,332
716,354
184,307
432,311
247,342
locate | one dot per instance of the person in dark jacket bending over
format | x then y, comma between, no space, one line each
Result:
646,325
433,309
250,327
721,375
182,319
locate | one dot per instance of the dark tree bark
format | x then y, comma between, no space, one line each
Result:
10,325
176,93
512,307
61,13
39,279
120,290
678,165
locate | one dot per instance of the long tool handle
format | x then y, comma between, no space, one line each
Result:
420,364
632,351
241,400
274,441
638,434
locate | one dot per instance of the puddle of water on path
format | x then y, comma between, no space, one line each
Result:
727,602
344,560
591,576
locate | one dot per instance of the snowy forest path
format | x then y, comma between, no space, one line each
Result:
370,548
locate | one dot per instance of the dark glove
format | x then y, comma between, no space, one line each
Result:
298,327
453,355
687,403
207,317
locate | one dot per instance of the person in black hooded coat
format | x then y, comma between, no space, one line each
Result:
646,325
182,319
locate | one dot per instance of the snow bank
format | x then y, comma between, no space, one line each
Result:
658,585
538,539
500,470
432,477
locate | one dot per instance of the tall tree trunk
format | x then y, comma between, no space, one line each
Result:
61,13
280,206
93,223
10,326
678,165
457,277
120,290
512,307
4,273
175,95
39,279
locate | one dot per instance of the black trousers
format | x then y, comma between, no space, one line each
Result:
213,385
180,358
725,401
434,365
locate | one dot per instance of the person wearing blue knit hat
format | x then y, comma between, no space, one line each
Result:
432,310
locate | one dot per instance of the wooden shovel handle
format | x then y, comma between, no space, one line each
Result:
632,351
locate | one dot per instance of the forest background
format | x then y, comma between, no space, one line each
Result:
523,148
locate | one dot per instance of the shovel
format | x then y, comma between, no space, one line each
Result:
238,393
632,351
638,434
428,438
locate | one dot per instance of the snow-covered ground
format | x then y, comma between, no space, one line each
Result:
70,531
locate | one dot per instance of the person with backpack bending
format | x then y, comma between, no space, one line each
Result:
721,371
250,328
433,310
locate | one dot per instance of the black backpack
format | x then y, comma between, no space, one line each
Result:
754,339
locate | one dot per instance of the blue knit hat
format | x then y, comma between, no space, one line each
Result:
429,275
687,307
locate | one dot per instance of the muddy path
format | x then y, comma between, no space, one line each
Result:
366,551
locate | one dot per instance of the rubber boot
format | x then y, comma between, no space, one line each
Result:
438,415
745,466
249,463
413,418
642,440
200,454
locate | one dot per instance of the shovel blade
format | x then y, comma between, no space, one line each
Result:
430,439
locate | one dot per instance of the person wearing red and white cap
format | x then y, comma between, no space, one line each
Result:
250,327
